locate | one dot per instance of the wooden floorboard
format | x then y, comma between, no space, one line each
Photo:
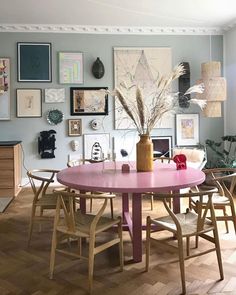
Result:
24,271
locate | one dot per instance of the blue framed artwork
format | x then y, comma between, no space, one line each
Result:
34,62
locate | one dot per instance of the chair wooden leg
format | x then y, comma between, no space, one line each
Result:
91,205
53,254
181,263
226,221
91,262
121,249
152,203
111,204
148,240
31,224
218,253
188,246
233,214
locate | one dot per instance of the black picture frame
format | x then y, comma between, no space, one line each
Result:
162,146
85,101
34,62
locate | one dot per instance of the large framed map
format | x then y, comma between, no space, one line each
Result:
140,66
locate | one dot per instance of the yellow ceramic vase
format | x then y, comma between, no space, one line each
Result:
144,154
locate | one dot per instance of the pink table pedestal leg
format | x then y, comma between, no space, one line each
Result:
137,226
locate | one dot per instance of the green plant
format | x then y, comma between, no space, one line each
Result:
224,152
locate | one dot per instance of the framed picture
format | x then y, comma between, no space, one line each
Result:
28,103
54,95
74,127
141,66
162,146
34,62
187,129
88,101
5,89
71,68
99,140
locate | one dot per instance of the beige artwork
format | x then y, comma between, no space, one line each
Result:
140,66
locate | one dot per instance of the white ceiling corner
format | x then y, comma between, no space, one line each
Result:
118,16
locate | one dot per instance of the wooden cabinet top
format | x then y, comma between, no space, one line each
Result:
9,143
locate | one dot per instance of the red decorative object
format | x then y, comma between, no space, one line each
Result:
125,168
180,161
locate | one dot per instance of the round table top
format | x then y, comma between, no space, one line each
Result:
104,177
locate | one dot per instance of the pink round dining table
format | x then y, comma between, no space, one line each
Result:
108,177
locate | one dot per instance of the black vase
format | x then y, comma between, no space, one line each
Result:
98,69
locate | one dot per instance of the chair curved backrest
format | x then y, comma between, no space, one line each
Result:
196,158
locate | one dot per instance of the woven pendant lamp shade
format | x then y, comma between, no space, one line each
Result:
215,88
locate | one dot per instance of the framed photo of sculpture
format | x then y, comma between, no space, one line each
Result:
5,88
88,101
187,129
140,66
74,127
28,103
71,68
162,146
34,62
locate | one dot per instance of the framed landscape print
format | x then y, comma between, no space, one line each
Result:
187,129
71,68
74,127
34,62
162,146
88,101
5,89
28,103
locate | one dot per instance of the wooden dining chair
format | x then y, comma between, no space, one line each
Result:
40,180
223,180
184,226
75,162
77,225
151,195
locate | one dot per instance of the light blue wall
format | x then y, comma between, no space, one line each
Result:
230,72
193,49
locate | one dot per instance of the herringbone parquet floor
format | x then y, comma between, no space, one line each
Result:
24,271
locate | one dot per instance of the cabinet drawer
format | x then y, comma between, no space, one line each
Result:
6,164
6,153
6,178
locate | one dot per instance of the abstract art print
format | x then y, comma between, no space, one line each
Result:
28,103
162,146
142,67
4,89
71,68
99,140
187,129
34,62
89,101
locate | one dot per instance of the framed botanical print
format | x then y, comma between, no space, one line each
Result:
74,127
88,101
34,62
28,103
187,129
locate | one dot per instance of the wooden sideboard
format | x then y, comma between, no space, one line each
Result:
10,168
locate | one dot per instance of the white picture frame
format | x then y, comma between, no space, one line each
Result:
54,95
71,68
187,129
102,138
28,103
5,96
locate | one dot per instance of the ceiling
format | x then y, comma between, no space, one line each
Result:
167,15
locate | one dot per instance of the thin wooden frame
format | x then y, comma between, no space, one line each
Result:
88,101
71,68
28,103
187,129
74,127
5,96
162,146
34,62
